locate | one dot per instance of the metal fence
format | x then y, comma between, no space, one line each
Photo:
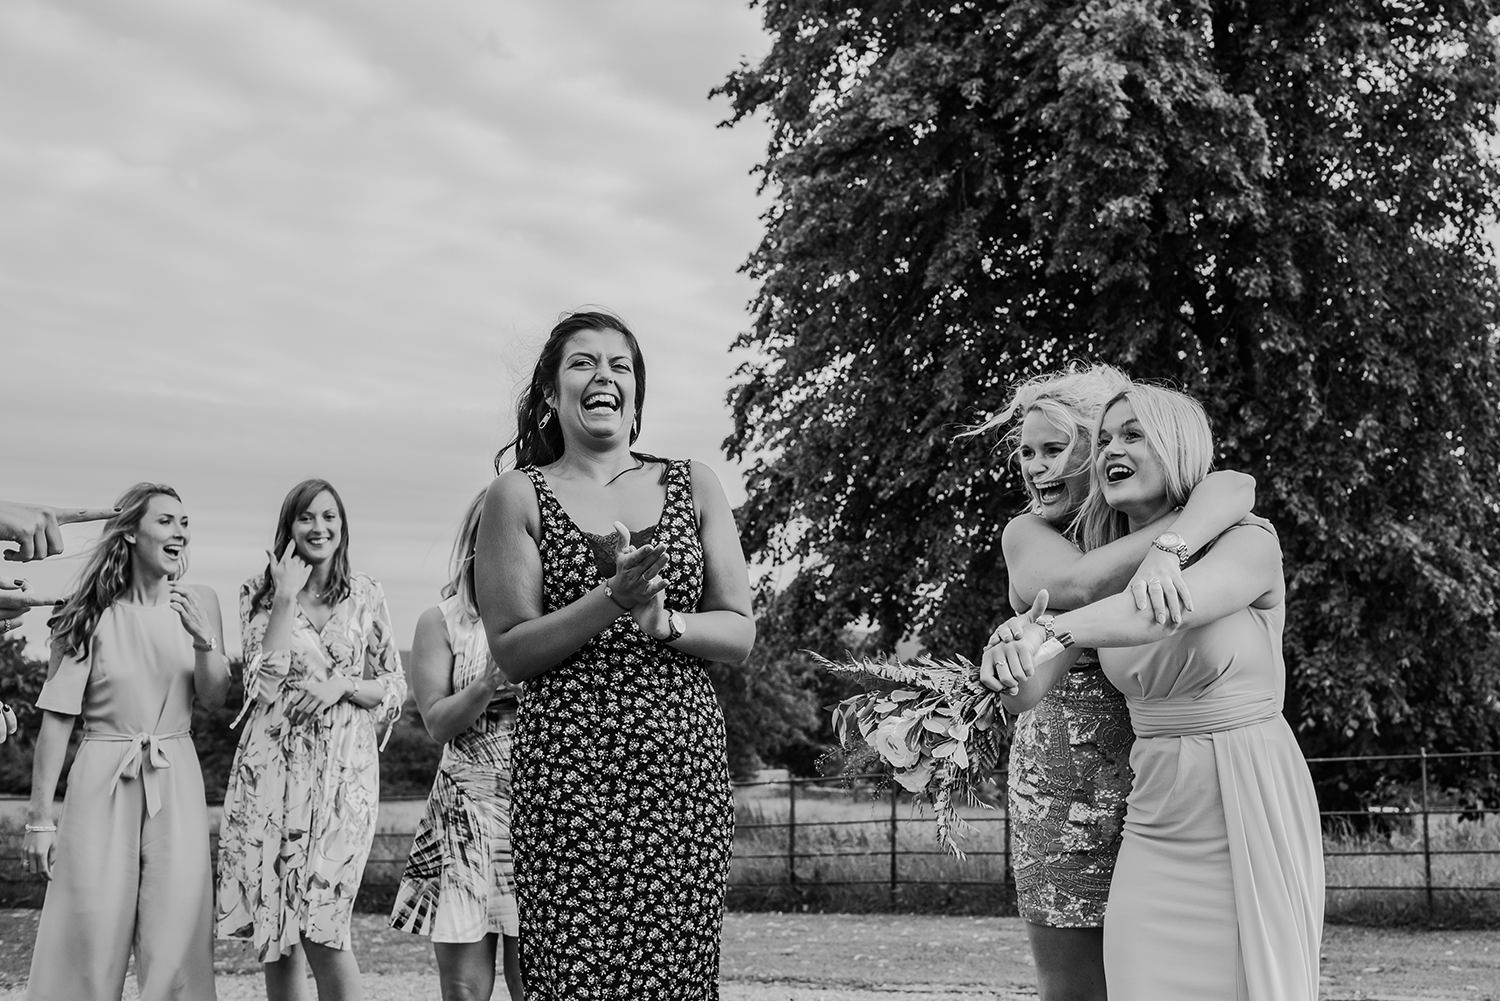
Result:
835,844
1422,843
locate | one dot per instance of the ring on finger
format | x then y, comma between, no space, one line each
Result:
1154,580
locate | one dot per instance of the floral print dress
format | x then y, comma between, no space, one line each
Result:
299,807
458,884
623,815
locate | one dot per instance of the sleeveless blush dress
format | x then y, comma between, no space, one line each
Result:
1218,890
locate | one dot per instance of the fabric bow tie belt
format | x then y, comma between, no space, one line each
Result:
143,760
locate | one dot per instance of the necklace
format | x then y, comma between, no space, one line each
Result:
640,464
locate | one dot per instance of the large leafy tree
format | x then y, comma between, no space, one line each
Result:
1282,207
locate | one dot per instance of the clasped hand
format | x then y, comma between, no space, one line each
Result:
315,696
638,583
1010,653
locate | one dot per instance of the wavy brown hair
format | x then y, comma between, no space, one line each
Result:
535,445
106,575
299,499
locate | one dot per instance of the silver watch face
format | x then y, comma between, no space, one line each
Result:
1171,540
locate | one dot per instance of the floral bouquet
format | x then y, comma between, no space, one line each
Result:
932,723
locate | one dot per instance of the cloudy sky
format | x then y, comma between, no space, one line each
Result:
246,242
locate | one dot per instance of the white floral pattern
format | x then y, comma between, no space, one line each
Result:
300,804
623,815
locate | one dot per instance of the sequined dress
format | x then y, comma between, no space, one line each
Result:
623,815
1069,778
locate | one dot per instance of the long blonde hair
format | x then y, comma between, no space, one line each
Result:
461,564
106,575
1071,399
1176,430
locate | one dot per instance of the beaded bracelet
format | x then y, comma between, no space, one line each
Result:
40,828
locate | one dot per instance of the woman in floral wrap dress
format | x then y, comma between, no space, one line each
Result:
623,814
458,887
322,674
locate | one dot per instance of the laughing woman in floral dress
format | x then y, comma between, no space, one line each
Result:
321,675
622,817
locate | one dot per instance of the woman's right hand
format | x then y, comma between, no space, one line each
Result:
638,570
289,573
38,849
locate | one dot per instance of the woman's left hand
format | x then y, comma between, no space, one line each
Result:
651,616
317,695
185,604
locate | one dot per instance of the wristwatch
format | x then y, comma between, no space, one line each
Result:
208,646
1049,626
675,626
1171,542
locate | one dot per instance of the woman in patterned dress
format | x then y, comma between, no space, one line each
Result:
128,863
1218,891
458,886
606,578
1069,761
321,675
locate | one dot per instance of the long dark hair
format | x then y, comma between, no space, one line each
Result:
106,574
536,445
298,500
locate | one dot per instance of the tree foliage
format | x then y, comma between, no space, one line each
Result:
1285,208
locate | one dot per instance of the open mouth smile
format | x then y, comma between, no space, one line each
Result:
601,402
1116,472
1051,492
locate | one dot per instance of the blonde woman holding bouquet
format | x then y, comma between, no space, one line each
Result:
1069,767
458,886
127,863
606,578
1218,890
322,676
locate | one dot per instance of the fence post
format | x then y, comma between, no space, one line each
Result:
893,845
791,830
1426,837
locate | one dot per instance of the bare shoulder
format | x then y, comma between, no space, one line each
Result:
704,477
430,623
708,492
1023,528
512,496
204,593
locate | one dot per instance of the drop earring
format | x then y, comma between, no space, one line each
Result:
545,419
635,427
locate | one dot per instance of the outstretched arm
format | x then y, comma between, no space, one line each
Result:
1242,570
1038,557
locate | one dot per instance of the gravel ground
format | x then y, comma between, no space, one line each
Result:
845,957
